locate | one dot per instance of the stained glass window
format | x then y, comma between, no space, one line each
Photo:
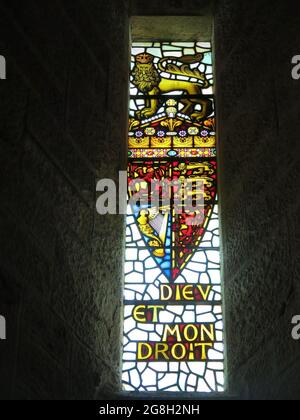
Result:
173,325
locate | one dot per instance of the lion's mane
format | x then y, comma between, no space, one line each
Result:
145,77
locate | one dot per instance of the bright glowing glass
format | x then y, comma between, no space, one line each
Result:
173,327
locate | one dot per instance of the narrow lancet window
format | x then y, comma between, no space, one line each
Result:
173,325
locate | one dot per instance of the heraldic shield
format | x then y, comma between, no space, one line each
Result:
172,198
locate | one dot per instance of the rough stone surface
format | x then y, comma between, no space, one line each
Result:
63,125
62,128
258,117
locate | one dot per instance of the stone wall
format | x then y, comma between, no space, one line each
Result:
62,127
63,115
259,129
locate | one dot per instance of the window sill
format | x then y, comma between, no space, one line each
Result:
169,396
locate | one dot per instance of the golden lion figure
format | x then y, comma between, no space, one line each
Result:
149,81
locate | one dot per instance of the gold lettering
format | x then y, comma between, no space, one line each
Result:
156,310
187,293
139,314
178,295
141,347
162,348
165,292
172,331
210,333
204,351
182,349
206,293
193,330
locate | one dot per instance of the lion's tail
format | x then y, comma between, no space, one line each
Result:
166,66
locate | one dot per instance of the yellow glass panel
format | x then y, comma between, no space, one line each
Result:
183,142
205,141
140,143
161,142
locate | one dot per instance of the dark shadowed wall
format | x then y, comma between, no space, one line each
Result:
62,127
259,130
63,112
